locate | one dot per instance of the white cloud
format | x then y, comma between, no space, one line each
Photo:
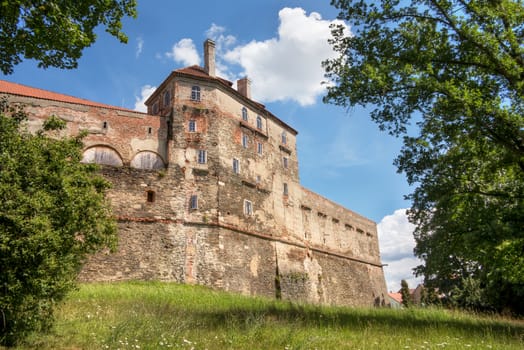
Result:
139,46
222,41
145,92
184,52
287,67
396,249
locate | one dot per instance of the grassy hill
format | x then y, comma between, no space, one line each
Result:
154,315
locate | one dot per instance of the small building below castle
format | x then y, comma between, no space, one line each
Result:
206,190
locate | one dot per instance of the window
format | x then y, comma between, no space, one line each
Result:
155,108
236,166
285,162
150,196
104,125
245,140
248,207
258,179
244,114
286,191
167,98
202,156
259,122
260,148
195,93
192,126
149,130
193,202
284,138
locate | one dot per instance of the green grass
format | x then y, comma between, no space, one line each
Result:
154,315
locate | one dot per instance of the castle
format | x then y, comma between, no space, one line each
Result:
206,190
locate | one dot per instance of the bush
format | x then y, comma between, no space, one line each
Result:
53,213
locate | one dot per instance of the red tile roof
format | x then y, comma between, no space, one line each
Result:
396,296
23,90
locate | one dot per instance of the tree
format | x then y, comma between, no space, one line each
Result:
407,300
456,70
55,32
52,214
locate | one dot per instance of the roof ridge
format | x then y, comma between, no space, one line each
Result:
29,91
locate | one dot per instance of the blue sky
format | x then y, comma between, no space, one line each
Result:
279,45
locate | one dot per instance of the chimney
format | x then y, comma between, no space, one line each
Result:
244,87
209,57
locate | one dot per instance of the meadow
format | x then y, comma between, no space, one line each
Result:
155,315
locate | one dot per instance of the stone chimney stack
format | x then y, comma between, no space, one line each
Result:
244,87
209,57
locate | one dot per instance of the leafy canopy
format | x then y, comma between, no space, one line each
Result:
52,214
456,70
55,32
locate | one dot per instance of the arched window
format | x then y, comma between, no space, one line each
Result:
102,155
244,113
167,98
147,160
259,122
195,93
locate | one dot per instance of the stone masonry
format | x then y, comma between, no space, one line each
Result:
206,190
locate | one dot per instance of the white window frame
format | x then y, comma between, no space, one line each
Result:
236,166
245,140
192,125
260,148
193,202
202,156
248,207
195,93
244,114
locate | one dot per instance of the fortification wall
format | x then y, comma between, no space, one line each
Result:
294,244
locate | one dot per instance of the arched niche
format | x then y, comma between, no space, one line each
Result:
147,160
102,155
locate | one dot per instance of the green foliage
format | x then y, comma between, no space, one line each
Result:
407,300
455,69
156,315
52,214
55,32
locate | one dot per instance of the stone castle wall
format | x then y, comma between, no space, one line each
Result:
295,244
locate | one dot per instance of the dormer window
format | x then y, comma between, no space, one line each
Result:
244,114
259,122
195,93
